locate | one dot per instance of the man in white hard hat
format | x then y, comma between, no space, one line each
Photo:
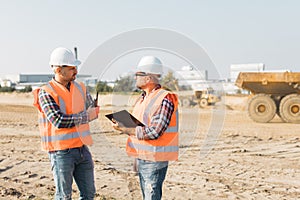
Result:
156,143
65,110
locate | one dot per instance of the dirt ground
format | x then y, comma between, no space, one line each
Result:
223,155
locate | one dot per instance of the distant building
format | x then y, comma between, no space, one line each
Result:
20,81
235,69
189,76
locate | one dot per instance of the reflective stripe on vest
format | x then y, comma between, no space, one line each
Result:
67,136
154,148
172,129
61,102
150,105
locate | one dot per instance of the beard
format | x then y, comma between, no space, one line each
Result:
73,77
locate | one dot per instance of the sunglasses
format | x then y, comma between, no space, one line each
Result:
141,74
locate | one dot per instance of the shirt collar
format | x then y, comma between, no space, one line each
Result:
68,85
158,86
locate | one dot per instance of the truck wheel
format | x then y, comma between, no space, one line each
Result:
186,102
203,103
290,108
262,108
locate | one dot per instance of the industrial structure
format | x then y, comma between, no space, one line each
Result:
20,81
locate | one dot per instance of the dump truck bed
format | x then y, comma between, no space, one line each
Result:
276,83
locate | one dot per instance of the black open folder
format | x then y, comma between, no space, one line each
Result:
125,118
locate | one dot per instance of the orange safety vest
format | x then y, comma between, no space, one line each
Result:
164,148
70,102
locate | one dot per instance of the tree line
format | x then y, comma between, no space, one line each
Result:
127,84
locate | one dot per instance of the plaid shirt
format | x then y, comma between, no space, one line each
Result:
159,122
57,117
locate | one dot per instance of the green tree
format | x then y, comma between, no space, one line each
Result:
102,86
7,89
27,88
170,82
124,84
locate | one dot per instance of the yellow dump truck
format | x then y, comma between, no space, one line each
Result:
272,93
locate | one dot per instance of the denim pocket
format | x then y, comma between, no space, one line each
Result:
62,152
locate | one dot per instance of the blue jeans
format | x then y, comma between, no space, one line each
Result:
152,176
69,163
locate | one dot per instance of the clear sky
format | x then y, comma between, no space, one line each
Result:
230,31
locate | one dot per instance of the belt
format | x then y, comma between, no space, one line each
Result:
83,146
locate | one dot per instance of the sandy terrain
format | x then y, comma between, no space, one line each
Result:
223,155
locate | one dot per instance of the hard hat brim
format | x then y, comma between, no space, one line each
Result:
150,69
75,63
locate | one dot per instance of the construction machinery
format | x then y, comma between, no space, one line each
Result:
206,97
272,93
203,98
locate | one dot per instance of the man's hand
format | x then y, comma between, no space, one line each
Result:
93,113
120,127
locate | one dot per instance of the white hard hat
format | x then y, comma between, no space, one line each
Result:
151,65
62,56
